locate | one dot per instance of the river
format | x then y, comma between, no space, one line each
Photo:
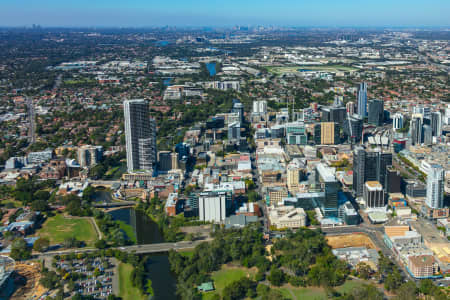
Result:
147,232
102,195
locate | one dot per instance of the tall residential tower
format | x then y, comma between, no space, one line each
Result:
416,129
436,123
397,122
362,100
140,135
435,187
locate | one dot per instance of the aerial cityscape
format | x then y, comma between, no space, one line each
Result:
193,158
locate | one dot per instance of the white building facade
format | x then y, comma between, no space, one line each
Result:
435,187
212,206
140,135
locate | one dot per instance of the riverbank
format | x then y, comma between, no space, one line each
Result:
129,231
147,231
126,289
137,225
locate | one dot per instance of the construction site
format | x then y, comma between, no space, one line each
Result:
350,240
26,281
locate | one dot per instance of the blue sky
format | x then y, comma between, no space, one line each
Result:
225,12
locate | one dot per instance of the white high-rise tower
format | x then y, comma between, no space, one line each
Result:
436,123
362,100
435,187
397,121
259,107
140,135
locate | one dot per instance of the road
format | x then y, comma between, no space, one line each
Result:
262,202
105,183
402,167
110,209
163,247
138,249
430,62
31,120
115,204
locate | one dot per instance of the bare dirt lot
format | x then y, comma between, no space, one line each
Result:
200,232
350,240
32,273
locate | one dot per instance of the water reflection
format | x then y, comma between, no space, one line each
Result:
163,281
145,229
147,232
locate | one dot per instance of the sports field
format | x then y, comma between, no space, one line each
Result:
60,227
317,293
227,275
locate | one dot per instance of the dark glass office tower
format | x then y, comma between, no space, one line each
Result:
393,180
317,133
416,130
369,166
334,114
436,123
359,161
427,135
329,204
353,128
376,112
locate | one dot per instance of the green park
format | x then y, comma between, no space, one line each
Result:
61,227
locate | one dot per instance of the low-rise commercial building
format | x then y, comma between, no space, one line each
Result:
171,204
40,156
287,217
423,266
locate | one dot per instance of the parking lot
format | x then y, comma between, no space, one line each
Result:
96,277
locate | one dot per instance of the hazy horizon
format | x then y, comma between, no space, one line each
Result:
198,13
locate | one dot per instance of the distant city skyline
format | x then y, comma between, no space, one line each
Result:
141,13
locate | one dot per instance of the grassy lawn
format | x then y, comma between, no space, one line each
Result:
349,285
187,253
303,293
116,172
12,203
225,276
58,228
316,293
310,293
112,170
126,289
79,82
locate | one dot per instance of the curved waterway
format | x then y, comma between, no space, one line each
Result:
147,232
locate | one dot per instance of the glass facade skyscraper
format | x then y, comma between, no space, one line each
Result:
369,166
376,112
435,187
362,100
140,135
